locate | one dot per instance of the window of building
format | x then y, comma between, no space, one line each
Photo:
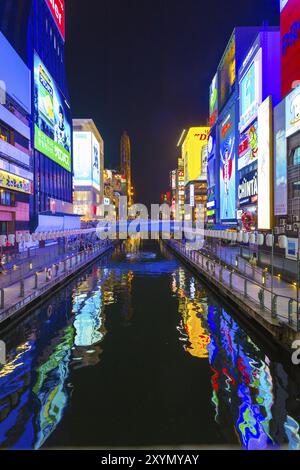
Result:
4,133
296,189
3,228
21,140
7,198
296,156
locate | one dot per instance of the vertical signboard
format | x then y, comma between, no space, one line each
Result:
52,119
57,8
213,101
280,167
227,74
251,92
96,162
264,170
290,45
228,167
293,112
82,155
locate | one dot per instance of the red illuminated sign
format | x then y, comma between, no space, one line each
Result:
57,8
290,45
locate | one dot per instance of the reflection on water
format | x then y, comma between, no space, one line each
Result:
248,391
253,401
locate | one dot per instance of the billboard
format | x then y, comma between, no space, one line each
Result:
15,183
280,167
228,167
11,66
82,157
213,101
248,147
251,92
293,112
290,45
227,74
57,8
192,147
86,156
95,163
264,165
52,128
248,189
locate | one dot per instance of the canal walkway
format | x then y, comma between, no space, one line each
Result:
275,311
20,294
231,256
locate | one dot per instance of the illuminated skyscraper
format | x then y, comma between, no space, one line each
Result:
126,165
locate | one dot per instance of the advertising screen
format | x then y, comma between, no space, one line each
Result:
248,147
52,128
290,45
227,72
264,165
213,101
11,66
280,195
82,144
293,112
96,162
228,167
251,92
57,8
196,139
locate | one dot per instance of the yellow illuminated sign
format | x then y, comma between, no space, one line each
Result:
15,183
196,139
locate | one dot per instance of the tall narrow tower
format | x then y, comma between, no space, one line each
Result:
126,165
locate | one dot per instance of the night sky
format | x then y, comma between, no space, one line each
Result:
146,66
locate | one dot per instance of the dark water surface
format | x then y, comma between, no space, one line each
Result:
137,352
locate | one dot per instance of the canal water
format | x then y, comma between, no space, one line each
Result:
136,352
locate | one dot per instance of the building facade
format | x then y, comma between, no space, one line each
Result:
51,118
16,176
88,155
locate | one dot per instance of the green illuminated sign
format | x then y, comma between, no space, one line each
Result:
52,149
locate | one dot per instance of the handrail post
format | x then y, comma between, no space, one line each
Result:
22,289
261,296
230,279
274,306
36,281
221,274
291,303
2,299
246,288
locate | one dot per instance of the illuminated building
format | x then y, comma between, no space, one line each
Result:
224,134
38,33
16,176
180,187
173,188
126,165
88,151
255,153
287,132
